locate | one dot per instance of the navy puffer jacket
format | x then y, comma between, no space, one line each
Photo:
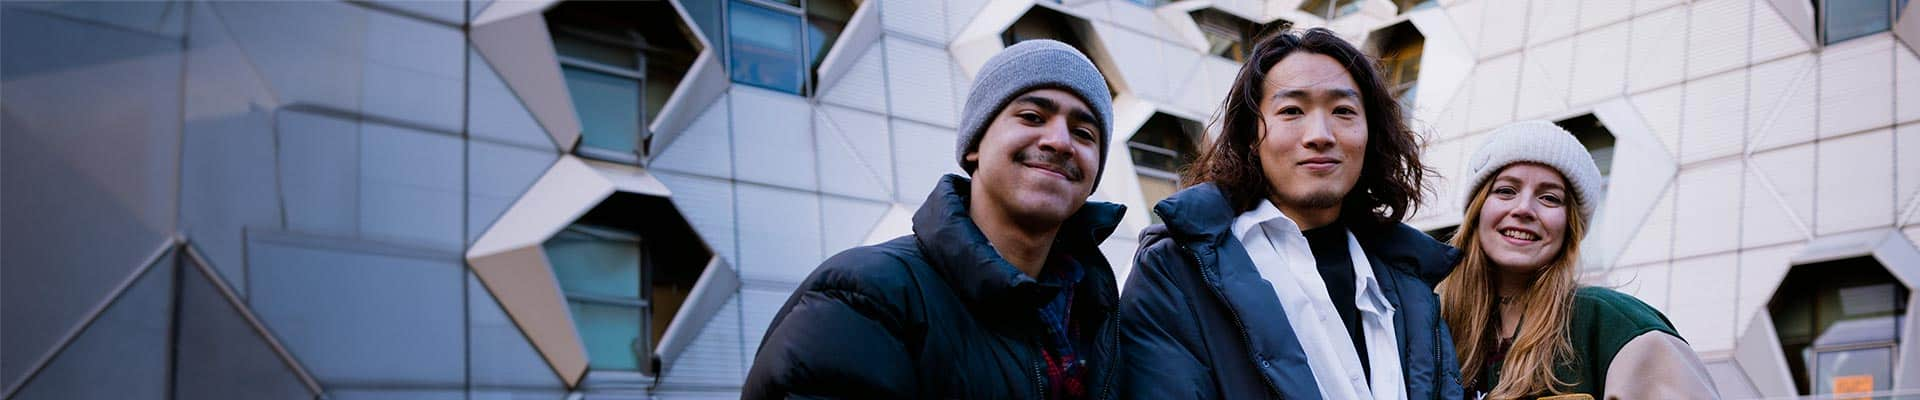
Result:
1198,321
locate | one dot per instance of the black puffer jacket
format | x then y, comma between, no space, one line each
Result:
936,315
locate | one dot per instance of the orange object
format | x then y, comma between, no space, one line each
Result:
1853,384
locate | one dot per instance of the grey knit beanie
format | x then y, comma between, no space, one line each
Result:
1029,65
1539,142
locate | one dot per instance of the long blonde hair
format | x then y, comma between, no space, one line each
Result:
1467,296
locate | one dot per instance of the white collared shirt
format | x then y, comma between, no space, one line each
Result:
1282,256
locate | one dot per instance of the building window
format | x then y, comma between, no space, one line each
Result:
1161,150
624,279
1330,9
1407,6
778,45
1229,36
1839,324
1400,47
1848,19
1046,23
1150,3
1598,141
621,62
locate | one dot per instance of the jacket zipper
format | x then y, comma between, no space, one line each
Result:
1039,380
1245,337
1113,353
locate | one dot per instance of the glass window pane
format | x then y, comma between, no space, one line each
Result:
1854,371
595,266
609,332
1153,189
608,106
1849,19
766,47
576,46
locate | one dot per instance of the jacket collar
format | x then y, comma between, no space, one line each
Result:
1202,213
960,252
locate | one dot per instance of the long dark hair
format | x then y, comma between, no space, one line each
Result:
1392,177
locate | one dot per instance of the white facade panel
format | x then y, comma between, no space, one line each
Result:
1599,64
773,142
919,82
925,21
1500,31
855,155
864,86
1714,117
1773,37
1778,92
1138,56
846,222
1856,85
1761,271
1653,242
1642,7
784,226
1707,212
1906,171
706,147
1648,282
1550,20
1906,75
758,306
1779,197
1703,312
1659,50
1595,14
1467,15
1855,184
922,153
1544,79
1495,86
495,113
1661,111
1717,36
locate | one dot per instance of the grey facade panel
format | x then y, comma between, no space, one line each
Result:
122,354
361,313
413,70
500,361
221,355
497,175
411,187
227,160
319,184
494,113
310,51
91,131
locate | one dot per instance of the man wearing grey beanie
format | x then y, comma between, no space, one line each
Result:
1001,291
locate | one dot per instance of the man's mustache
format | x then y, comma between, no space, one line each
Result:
1054,159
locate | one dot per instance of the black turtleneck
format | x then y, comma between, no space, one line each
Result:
1329,244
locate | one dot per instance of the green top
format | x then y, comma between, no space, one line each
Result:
1603,321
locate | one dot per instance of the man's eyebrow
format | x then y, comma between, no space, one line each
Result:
1045,104
1080,115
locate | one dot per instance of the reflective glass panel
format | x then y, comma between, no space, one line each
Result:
1847,19
610,333
765,46
608,106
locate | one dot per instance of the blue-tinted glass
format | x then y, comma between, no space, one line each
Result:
766,47
1149,3
603,267
608,106
820,36
1849,19
609,332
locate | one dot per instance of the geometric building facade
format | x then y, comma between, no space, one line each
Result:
538,199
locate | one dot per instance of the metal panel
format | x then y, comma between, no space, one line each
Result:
222,353
362,313
122,353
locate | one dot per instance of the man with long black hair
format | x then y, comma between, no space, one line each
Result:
1284,270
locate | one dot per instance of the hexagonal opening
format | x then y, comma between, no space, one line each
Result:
1398,48
1406,6
778,44
625,268
621,62
1231,37
1839,325
1046,23
1330,9
1163,148
1597,139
